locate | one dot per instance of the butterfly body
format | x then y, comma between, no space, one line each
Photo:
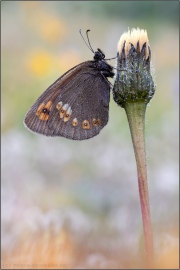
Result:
76,105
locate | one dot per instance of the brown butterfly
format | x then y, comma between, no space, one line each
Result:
76,105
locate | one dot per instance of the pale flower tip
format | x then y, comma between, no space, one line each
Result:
133,81
134,36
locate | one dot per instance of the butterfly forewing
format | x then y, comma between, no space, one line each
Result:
75,106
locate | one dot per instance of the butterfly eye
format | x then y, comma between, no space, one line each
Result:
101,52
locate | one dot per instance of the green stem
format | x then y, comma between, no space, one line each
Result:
136,117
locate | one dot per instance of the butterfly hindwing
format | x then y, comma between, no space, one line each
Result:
75,106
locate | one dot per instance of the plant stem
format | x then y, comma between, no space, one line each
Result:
136,117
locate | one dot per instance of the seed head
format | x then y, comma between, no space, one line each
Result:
133,80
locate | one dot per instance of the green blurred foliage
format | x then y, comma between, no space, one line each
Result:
128,10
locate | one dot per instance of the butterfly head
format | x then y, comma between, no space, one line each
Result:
99,55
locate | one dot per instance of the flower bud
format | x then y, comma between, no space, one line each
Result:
133,80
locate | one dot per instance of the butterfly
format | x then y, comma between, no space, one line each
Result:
76,105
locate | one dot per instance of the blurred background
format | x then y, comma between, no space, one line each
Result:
75,204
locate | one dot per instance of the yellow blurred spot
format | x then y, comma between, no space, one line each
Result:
50,28
40,63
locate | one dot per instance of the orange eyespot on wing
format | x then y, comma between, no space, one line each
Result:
44,110
67,115
59,105
96,122
75,122
85,124
64,111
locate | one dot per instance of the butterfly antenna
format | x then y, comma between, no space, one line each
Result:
85,41
88,40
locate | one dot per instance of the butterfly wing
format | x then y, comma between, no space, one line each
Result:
76,106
